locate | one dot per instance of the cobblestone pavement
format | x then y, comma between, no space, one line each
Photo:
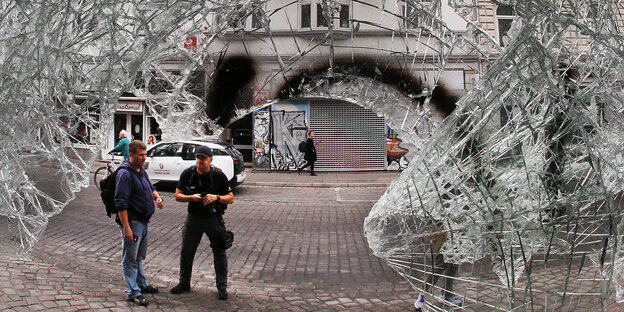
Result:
296,249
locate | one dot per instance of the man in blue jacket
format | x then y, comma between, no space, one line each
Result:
134,199
122,146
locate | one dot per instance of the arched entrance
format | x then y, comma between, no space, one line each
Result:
361,124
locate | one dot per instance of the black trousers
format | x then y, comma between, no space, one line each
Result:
308,164
439,267
194,229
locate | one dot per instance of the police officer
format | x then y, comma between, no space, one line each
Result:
207,191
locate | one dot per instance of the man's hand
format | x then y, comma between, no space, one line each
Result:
209,198
127,231
160,203
195,198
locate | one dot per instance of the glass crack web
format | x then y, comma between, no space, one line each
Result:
516,182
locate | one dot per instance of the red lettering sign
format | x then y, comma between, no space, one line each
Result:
191,42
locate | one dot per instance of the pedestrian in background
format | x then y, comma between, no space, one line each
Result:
207,191
439,268
310,154
134,199
122,146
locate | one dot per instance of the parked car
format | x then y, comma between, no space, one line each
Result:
166,160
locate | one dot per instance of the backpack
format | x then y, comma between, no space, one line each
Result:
303,146
107,192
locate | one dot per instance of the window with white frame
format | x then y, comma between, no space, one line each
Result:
249,19
505,16
409,12
311,14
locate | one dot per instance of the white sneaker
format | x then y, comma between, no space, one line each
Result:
420,302
454,301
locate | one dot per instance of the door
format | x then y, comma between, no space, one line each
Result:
121,123
132,123
349,137
136,127
242,136
220,159
165,162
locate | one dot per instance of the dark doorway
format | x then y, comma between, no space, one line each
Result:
242,137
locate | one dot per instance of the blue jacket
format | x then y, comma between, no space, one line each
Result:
133,192
122,147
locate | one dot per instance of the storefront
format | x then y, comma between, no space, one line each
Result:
132,115
349,137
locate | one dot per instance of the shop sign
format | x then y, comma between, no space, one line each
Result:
129,107
191,42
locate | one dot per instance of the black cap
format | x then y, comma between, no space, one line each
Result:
203,151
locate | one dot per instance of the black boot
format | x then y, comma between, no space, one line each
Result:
180,288
223,294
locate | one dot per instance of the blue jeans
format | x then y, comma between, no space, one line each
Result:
132,256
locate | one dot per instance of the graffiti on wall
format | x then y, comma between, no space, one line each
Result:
261,130
278,133
289,128
399,153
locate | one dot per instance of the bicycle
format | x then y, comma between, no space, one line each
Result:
103,172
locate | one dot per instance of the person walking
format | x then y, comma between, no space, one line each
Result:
207,191
134,200
122,146
310,154
439,268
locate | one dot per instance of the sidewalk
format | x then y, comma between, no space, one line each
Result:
323,179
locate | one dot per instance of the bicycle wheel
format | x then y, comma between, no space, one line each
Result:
99,175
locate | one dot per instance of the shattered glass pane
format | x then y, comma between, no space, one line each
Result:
518,200
512,111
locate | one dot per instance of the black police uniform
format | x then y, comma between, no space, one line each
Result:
204,219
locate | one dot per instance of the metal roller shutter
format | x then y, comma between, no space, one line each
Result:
352,137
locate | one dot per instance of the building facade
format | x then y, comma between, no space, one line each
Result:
272,48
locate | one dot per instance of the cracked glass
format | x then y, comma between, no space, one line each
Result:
512,111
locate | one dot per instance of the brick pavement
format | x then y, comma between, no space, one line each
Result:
288,256
296,249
